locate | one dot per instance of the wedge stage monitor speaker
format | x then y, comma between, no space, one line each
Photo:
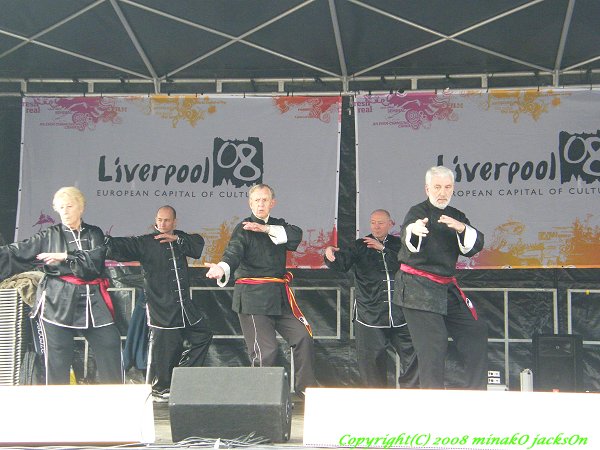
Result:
230,402
558,363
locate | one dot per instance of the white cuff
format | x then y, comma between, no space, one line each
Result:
412,248
470,238
277,234
226,276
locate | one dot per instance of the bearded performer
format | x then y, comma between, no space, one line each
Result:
435,234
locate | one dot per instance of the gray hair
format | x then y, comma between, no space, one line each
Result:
384,211
256,187
438,171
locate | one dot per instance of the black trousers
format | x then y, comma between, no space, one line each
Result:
371,349
58,352
430,333
167,348
261,342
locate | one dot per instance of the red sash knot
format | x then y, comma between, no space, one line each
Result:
101,282
287,278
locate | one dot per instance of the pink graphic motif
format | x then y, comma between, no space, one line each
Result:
44,219
414,110
79,113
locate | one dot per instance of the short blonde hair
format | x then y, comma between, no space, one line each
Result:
71,192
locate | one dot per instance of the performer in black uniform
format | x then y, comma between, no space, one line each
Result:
262,297
377,320
173,316
435,234
72,297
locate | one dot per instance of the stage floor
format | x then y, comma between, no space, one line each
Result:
162,425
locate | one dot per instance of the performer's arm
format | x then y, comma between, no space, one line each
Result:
124,248
471,241
190,244
21,256
344,259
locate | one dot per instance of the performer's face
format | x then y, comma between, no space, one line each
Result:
261,203
380,224
165,222
70,211
440,190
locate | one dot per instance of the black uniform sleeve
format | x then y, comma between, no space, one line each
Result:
294,236
124,248
236,248
344,258
190,244
21,256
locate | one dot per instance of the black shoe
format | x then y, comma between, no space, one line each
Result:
161,396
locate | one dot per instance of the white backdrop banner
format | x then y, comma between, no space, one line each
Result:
527,167
131,155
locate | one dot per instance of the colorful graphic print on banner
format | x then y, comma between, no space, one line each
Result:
526,165
131,155
409,111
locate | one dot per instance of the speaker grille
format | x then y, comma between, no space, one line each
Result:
229,402
558,363
11,320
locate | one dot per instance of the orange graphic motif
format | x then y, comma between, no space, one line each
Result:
583,246
216,241
577,245
188,109
527,102
322,108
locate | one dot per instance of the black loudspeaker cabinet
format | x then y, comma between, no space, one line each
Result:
229,402
558,362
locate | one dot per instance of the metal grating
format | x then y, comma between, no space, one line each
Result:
11,320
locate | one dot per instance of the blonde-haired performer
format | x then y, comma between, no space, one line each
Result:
72,297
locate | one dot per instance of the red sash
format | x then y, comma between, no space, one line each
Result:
287,278
440,280
101,282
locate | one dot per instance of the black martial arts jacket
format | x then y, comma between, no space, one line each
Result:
250,254
166,278
438,254
374,273
60,302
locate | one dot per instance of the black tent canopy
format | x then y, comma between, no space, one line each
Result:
287,46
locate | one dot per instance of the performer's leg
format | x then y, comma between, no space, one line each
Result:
167,347
470,336
401,340
58,352
199,337
371,354
430,339
297,337
261,341
106,344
